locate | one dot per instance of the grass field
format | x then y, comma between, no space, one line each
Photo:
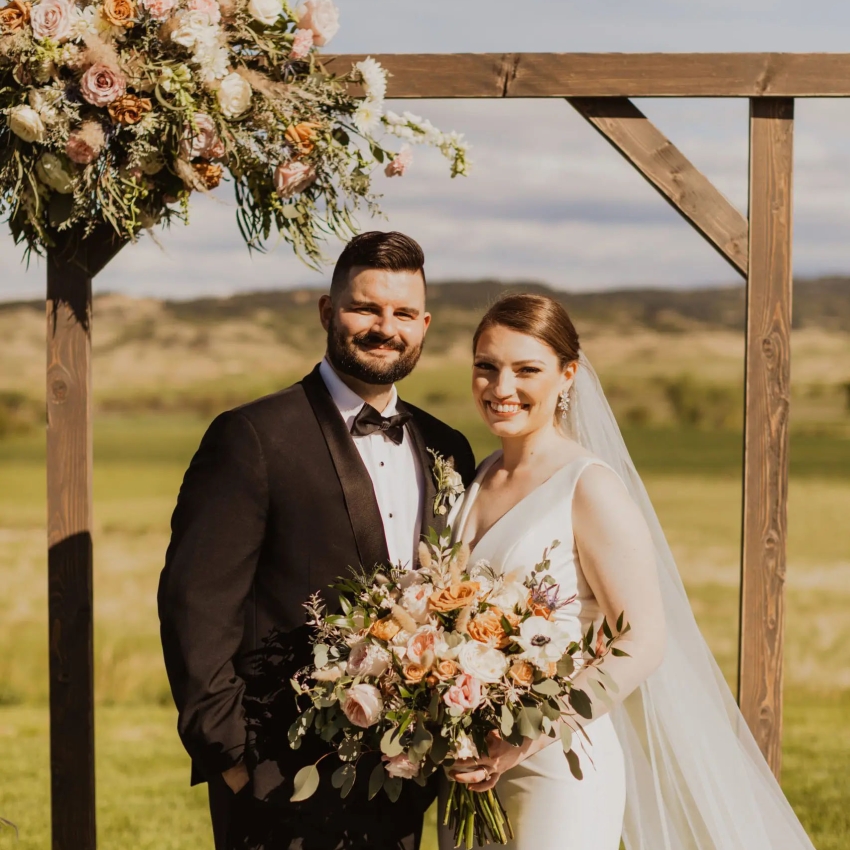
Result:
144,798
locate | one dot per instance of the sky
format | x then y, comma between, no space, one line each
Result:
547,199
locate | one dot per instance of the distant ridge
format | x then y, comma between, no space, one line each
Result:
821,303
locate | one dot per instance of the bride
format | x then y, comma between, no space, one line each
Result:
670,763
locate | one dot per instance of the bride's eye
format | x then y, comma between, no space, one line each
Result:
530,370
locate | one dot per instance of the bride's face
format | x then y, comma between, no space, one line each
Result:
516,381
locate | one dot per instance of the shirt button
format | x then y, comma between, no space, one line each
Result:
382,463
391,516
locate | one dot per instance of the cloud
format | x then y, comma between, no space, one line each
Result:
548,197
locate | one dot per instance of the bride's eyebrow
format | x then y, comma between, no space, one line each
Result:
528,363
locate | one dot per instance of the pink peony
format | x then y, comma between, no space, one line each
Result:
362,705
464,695
209,7
202,140
290,178
320,16
52,19
368,659
159,10
101,84
400,163
302,44
85,143
401,767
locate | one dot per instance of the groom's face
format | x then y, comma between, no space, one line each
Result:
376,324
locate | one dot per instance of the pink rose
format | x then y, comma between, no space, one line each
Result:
368,659
52,19
400,163
290,178
209,7
362,705
201,140
302,44
320,16
420,648
85,143
101,84
464,695
401,767
159,10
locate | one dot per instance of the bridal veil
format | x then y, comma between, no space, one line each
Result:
696,779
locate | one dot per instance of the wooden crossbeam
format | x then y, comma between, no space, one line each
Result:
670,172
484,75
768,396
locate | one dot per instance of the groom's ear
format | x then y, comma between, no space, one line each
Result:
426,320
325,311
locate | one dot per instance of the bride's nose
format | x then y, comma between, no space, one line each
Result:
505,385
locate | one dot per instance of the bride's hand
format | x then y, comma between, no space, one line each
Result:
482,773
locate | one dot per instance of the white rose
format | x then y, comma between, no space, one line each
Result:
544,641
482,661
362,705
52,172
234,95
52,19
265,11
368,659
194,28
465,747
26,123
509,595
329,674
320,16
414,600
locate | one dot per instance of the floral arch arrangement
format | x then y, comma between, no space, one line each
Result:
117,110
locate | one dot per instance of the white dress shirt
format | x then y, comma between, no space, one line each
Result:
396,472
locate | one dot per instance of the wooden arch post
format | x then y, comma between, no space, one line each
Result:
71,266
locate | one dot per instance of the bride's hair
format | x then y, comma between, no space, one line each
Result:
537,316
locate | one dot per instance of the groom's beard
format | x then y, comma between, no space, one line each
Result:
348,357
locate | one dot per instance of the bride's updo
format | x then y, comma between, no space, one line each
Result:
537,316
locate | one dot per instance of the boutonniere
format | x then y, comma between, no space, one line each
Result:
448,481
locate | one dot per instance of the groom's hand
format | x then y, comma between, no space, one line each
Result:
236,777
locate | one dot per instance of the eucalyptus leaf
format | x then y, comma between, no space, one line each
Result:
507,721
580,701
376,779
599,689
392,787
439,749
390,745
566,667
547,687
306,783
530,722
575,764
566,737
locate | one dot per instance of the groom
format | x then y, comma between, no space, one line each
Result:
282,496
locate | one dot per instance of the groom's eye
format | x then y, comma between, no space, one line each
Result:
484,365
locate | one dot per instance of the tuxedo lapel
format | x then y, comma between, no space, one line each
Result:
356,483
429,518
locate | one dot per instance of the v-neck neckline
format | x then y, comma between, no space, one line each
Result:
475,490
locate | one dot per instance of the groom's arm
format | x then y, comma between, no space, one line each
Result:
218,528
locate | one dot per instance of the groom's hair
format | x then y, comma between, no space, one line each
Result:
376,249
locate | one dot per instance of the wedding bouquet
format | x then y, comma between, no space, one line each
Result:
112,112
423,665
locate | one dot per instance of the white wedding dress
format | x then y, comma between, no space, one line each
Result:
550,809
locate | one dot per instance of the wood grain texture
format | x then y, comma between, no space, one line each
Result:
476,75
69,522
768,391
665,167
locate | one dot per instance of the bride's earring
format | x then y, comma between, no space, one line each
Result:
564,403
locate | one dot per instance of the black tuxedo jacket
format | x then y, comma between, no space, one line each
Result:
274,506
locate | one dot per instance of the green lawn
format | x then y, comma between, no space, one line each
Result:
144,798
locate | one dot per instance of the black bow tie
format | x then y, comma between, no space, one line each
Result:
369,420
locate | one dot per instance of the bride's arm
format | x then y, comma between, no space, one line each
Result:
618,561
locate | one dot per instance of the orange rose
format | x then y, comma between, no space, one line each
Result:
454,597
209,172
14,16
302,136
432,681
120,13
487,628
385,629
539,609
414,673
522,672
129,109
446,669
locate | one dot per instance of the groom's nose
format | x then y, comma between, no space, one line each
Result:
386,325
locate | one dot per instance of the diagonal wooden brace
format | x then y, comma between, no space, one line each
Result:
671,173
